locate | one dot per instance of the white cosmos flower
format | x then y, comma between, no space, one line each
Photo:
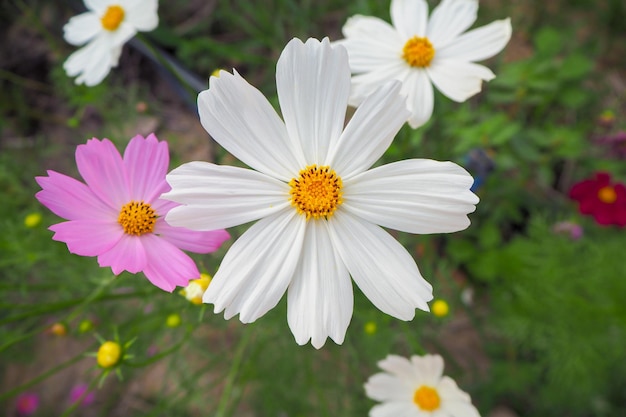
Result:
105,28
419,51
416,388
319,206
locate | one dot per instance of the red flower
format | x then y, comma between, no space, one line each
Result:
598,197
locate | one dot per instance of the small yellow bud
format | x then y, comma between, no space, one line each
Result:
370,327
173,320
196,288
58,329
85,326
216,73
440,308
32,220
109,354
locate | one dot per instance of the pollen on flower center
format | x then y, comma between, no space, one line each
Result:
607,194
426,398
137,218
113,17
418,52
316,192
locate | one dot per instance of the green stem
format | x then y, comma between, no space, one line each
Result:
42,377
232,374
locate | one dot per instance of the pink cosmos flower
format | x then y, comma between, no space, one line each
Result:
118,216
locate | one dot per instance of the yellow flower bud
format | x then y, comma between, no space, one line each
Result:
109,354
440,308
32,220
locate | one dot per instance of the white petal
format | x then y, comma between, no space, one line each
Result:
124,32
98,6
451,392
415,195
370,131
380,266
82,28
370,27
363,85
142,14
258,267
400,367
409,17
420,97
395,409
320,296
241,119
385,387
91,63
478,44
458,80
449,19
429,368
371,42
217,197
313,83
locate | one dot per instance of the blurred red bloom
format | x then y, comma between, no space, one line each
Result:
602,199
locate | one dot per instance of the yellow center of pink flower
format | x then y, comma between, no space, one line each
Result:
427,398
418,52
607,194
316,192
112,18
137,218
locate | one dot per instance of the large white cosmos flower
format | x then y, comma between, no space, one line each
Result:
105,28
416,387
319,206
419,51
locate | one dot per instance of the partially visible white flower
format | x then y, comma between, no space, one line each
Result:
420,52
416,388
105,28
319,205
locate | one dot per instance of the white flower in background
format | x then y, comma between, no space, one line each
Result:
419,51
105,28
319,206
416,388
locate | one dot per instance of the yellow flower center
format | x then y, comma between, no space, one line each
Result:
607,194
427,398
137,218
112,18
418,52
316,192
109,354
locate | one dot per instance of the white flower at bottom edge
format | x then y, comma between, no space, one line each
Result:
105,28
422,51
319,206
416,388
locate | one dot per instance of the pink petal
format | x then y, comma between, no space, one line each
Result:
128,255
87,237
101,165
146,162
167,265
191,240
71,199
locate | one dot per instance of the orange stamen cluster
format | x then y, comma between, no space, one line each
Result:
316,192
112,18
418,52
137,218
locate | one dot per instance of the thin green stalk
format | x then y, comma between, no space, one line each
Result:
42,377
232,374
